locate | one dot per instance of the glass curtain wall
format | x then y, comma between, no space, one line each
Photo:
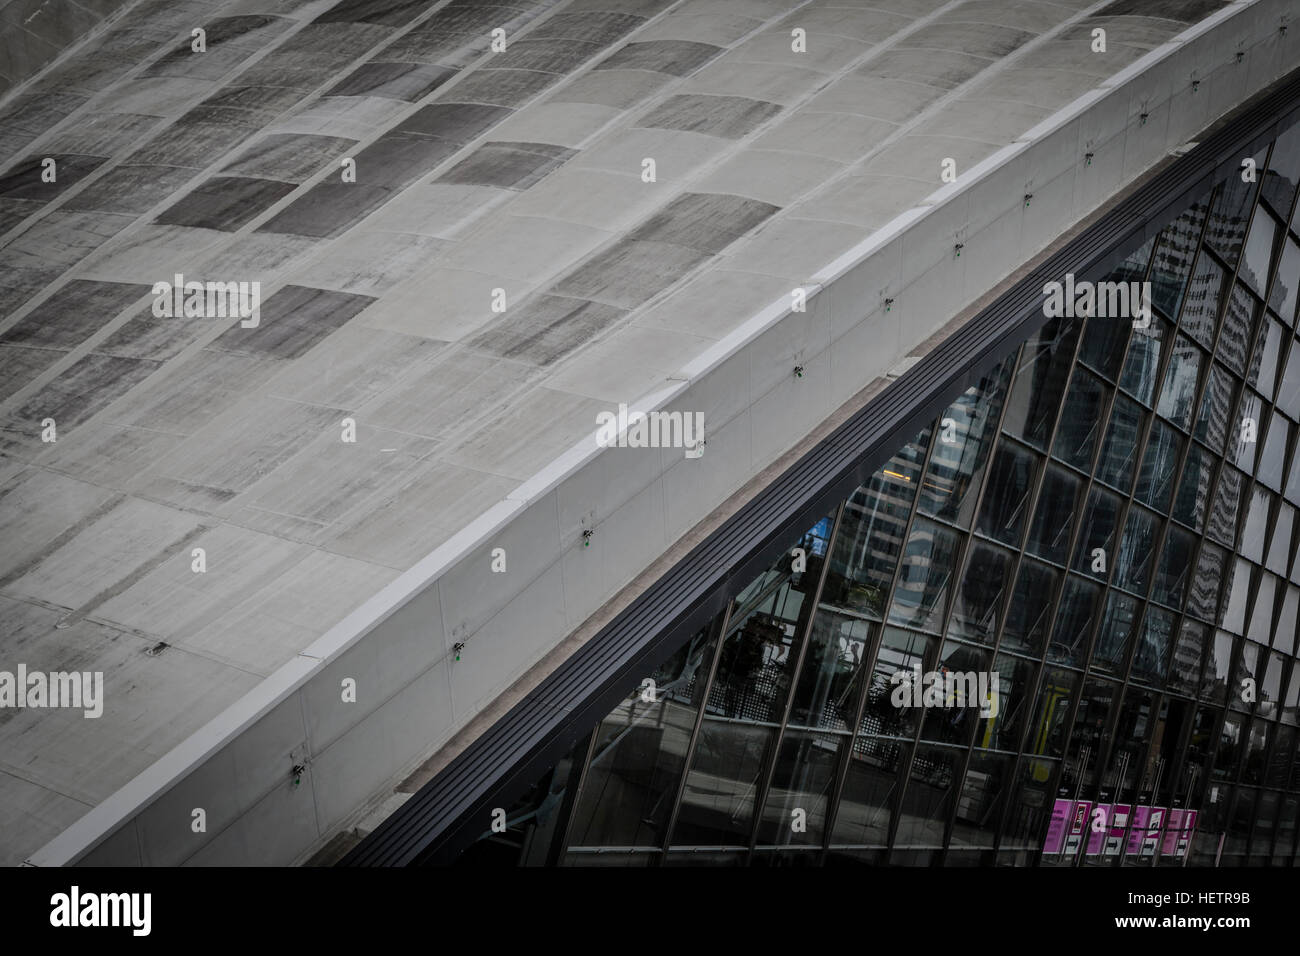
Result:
1105,525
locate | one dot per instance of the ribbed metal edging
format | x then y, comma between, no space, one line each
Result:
452,810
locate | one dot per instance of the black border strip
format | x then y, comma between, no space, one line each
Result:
450,811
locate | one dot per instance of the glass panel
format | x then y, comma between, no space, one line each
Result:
1282,297
1261,615
1245,431
802,780
1204,300
1136,549
1143,363
1270,689
979,805
978,603
1171,571
870,791
1279,758
1095,551
1228,752
1194,488
1259,251
967,690
1074,620
1237,587
1173,258
928,801
1058,504
1116,634
1280,544
1218,661
901,653
1004,510
1029,614
1040,382
1002,728
640,754
1288,622
1132,730
1203,599
1179,393
1119,454
1252,535
1185,676
925,576
1155,485
1031,806
1239,321
1102,345
1216,408
1084,748
832,675
1047,731
1278,185
964,437
1077,438
870,537
718,799
1288,393
1262,373
1273,454
1227,226
1222,524
1151,661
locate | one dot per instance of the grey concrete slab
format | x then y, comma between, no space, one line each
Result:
257,256
519,442
345,40
191,144
730,117
867,201
420,516
148,253
438,209
130,189
772,176
20,366
1188,11
456,50
629,272
705,222
592,26
327,209
621,89
507,165
30,115
464,301
563,124
264,103
721,28
555,55
193,392
398,81
456,122
352,366
38,813
944,69
265,433
14,211
447,397
783,85
104,134
697,308
145,337
225,203
290,157
674,57
397,159
72,314
355,117
547,329
382,261
25,179
390,13
45,249
292,321
607,372
987,40
85,388
509,88
229,41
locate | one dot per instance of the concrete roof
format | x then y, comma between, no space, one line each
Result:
476,170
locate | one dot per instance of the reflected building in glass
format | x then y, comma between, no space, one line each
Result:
1106,521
